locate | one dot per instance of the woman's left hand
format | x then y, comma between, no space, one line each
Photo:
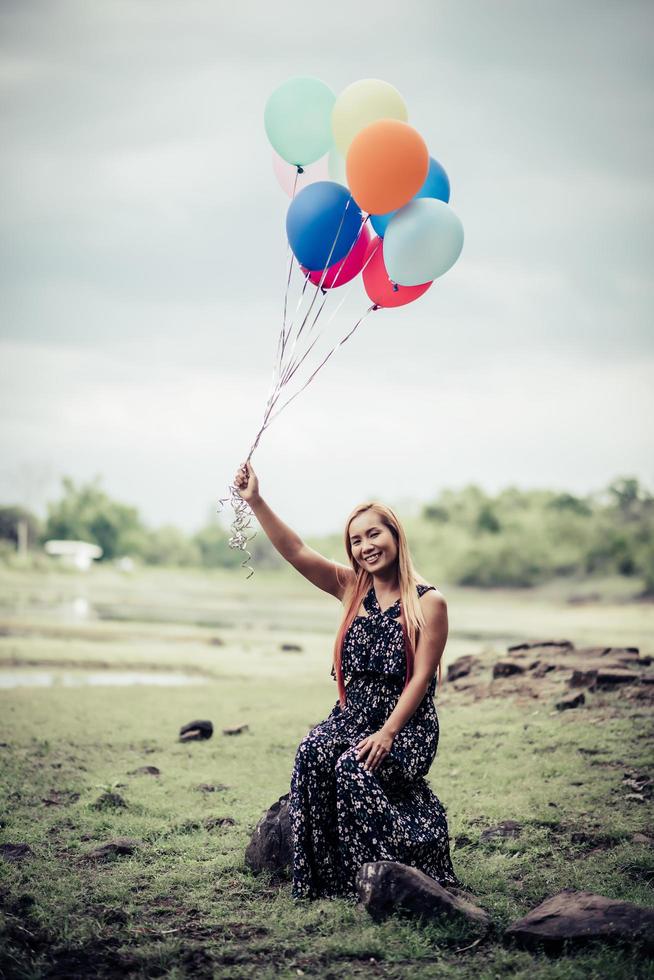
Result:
376,747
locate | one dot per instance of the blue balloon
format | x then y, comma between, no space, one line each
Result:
322,224
437,184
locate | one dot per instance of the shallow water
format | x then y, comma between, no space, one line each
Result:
95,678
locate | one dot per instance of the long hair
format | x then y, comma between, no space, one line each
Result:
412,617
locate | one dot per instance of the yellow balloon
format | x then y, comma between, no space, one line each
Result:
362,103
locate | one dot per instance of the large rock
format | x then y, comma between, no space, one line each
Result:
271,846
195,731
505,668
545,646
386,886
571,701
603,678
462,666
579,918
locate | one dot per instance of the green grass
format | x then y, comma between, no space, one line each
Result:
184,905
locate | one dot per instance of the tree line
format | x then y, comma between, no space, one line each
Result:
516,538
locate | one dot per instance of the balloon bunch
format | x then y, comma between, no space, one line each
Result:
348,162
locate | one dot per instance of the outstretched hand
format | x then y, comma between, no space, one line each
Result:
376,747
246,482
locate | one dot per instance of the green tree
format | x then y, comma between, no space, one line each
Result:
87,513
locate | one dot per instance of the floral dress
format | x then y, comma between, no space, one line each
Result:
343,815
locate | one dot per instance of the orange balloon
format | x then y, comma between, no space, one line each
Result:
387,164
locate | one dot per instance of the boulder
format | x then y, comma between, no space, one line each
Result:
235,730
462,666
547,646
571,701
145,771
505,668
271,846
195,731
578,918
384,887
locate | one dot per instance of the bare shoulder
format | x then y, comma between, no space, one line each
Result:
434,606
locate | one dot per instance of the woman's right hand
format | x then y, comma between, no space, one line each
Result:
246,482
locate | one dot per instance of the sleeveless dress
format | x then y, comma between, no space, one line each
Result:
343,815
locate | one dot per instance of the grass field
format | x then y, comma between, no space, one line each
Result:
183,904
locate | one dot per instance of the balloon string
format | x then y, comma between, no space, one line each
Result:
242,512
291,371
322,279
242,519
371,309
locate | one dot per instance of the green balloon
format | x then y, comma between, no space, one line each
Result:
297,118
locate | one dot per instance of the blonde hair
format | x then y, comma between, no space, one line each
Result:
412,618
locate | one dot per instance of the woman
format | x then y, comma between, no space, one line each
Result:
358,791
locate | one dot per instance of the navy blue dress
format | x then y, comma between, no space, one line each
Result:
343,815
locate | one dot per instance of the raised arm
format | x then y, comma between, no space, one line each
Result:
330,576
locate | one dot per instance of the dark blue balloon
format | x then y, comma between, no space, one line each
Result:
322,224
436,185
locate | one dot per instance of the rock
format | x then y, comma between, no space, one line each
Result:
549,645
462,666
145,771
236,730
462,840
583,678
211,787
626,653
639,782
539,668
216,641
607,679
109,801
291,647
571,701
386,886
270,848
195,731
112,848
508,828
642,839
15,852
581,917
505,668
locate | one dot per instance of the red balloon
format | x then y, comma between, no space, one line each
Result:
379,287
345,270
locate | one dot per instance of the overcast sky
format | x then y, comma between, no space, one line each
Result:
143,254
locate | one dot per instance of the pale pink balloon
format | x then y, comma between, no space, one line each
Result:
345,270
285,173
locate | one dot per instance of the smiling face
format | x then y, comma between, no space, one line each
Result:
372,542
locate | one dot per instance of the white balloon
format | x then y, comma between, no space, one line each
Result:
422,241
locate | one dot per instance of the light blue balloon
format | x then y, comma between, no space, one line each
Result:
298,119
437,184
423,240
